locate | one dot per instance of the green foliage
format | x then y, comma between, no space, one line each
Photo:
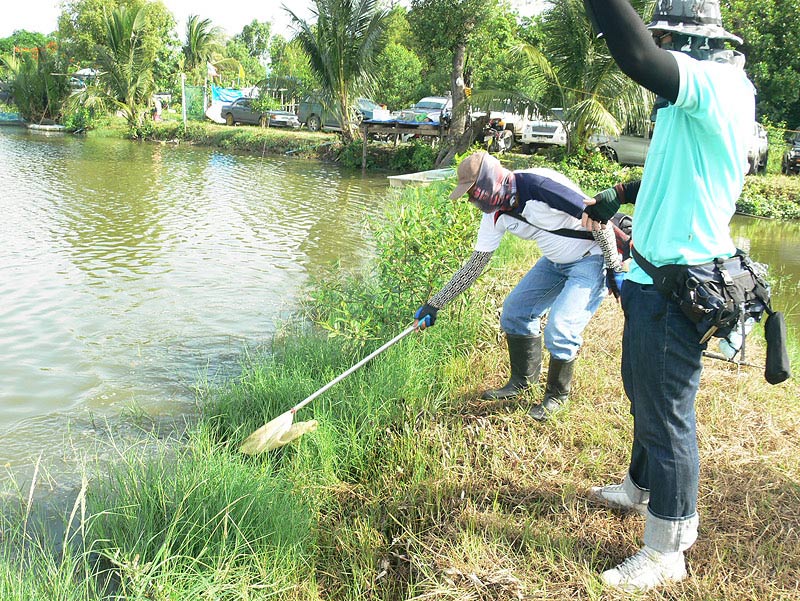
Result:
771,196
416,156
23,39
82,27
256,36
423,238
768,34
342,49
126,82
265,102
38,88
201,42
574,70
201,505
399,71
81,118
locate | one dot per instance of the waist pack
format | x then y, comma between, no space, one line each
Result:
716,296
719,297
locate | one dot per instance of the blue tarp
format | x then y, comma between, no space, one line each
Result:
225,94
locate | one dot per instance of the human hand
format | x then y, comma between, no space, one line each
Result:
602,207
425,316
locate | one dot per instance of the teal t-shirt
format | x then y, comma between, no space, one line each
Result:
695,168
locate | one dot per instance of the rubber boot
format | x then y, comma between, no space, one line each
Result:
556,392
525,357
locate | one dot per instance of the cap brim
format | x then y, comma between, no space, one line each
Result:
460,190
705,31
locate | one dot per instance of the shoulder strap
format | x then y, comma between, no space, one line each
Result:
567,233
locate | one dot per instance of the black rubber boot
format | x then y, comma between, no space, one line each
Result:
525,356
556,392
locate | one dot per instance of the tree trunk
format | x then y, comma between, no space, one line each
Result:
461,145
459,113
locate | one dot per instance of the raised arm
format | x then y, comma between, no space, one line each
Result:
633,48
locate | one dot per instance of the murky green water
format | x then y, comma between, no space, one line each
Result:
131,272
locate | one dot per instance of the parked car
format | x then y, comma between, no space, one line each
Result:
431,109
542,131
627,149
790,165
311,113
241,111
758,152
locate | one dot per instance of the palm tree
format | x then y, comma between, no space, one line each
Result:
342,48
125,83
202,44
574,70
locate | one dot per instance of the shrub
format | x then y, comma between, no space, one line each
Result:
423,223
771,196
413,157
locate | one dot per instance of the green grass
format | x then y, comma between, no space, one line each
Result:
412,487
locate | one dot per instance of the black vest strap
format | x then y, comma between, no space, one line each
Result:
567,233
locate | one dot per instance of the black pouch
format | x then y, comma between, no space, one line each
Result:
720,295
777,368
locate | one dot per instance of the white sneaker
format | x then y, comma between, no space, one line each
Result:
615,496
646,570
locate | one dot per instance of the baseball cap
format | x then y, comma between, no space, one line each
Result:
468,172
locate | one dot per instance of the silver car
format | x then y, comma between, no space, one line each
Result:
625,150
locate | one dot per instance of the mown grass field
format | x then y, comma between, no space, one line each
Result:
412,487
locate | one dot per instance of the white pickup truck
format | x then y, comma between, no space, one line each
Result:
539,131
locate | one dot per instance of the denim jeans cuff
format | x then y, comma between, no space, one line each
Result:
669,536
635,494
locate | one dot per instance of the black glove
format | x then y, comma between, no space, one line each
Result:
606,206
426,316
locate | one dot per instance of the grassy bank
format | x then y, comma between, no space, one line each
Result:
412,487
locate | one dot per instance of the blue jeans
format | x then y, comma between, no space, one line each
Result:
572,292
661,365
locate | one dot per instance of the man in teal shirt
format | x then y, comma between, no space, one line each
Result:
693,175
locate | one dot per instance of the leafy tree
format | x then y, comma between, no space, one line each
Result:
290,71
82,27
201,43
251,72
770,46
574,70
342,48
400,73
23,39
447,27
256,37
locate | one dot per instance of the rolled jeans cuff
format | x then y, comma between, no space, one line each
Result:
635,494
669,536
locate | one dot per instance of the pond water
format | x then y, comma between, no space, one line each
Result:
129,273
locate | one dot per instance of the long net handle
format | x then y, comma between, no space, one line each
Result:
358,365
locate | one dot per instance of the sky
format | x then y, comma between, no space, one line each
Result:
231,15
